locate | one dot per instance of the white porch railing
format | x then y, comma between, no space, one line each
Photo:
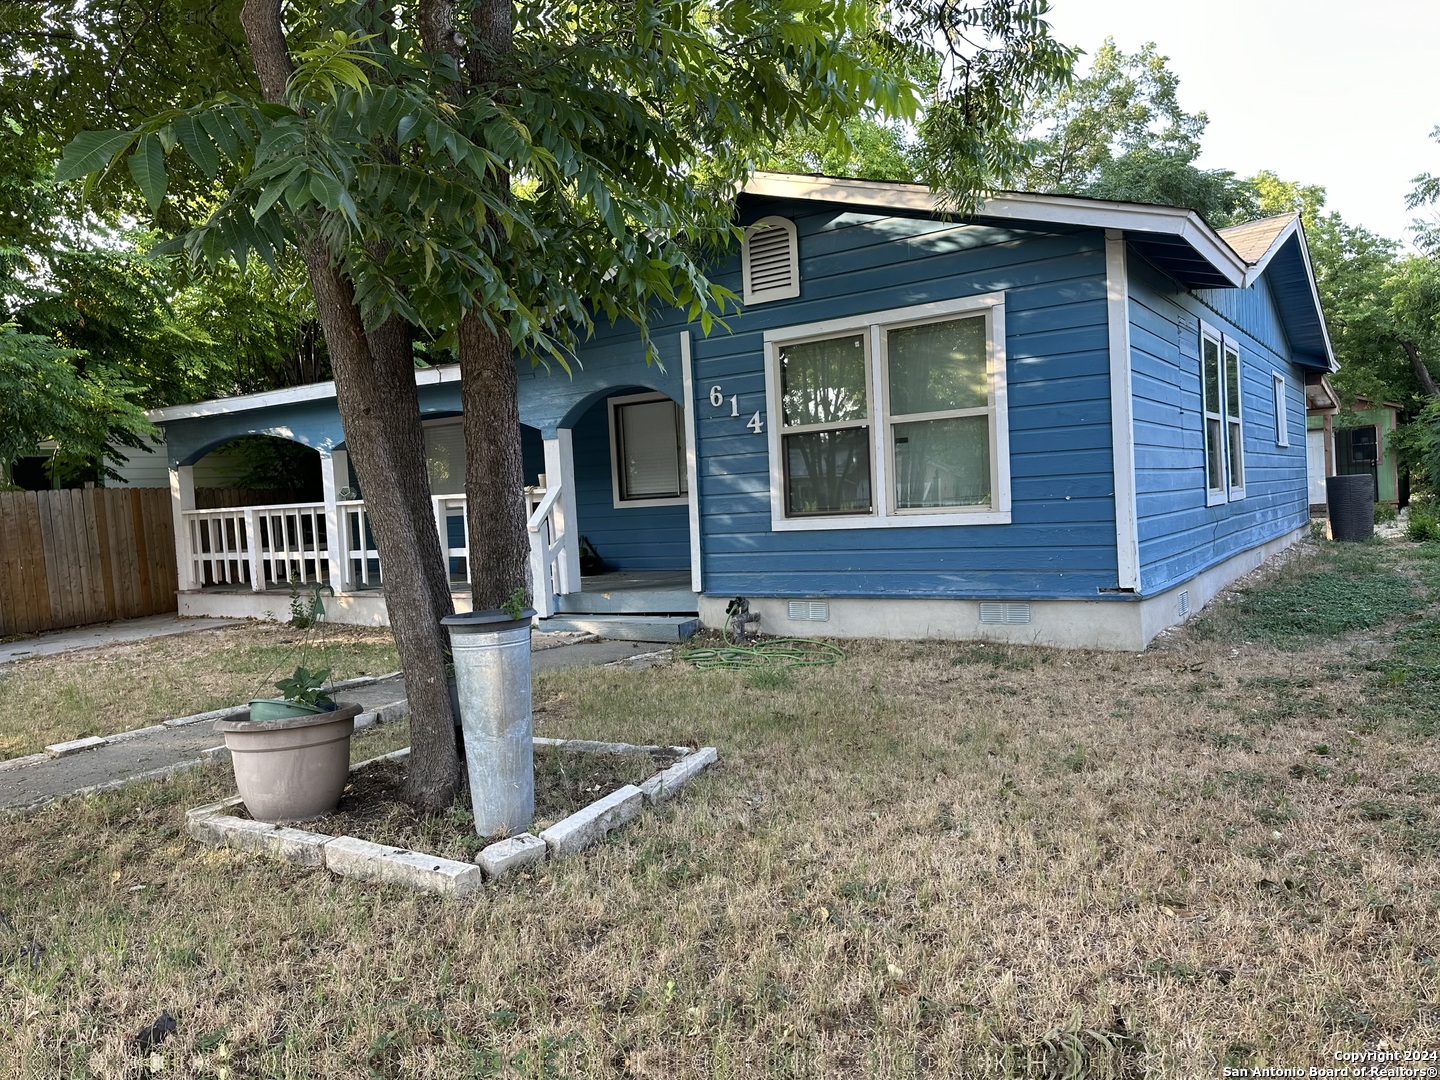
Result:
359,560
269,545
256,545
450,508
549,569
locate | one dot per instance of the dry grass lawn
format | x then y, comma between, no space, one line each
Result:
932,859
49,699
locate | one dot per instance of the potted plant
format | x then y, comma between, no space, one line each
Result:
291,760
303,694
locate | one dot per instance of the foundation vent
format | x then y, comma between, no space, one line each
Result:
1184,603
810,610
1007,614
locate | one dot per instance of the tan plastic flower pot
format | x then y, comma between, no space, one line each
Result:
294,768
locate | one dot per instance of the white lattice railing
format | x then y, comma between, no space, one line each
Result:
256,545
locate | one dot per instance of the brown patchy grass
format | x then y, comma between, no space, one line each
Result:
933,859
49,699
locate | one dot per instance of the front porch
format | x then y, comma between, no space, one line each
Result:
253,561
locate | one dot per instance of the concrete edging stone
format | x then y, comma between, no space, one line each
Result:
352,857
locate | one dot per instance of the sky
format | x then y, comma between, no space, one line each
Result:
1323,93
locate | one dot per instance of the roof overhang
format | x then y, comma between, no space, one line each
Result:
294,395
1292,281
1178,240
1320,396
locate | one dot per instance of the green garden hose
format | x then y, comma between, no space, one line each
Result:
787,652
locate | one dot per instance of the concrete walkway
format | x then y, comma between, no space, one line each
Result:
159,751
101,634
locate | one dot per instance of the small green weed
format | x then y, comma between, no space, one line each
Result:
769,678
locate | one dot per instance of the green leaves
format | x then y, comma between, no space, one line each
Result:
147,168
90,152
197,144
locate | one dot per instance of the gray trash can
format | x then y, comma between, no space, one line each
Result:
1350,502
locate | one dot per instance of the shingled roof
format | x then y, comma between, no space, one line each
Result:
1254,239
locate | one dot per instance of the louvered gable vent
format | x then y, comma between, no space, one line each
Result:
770,261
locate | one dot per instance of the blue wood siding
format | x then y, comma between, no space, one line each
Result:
1179,535
1061,542
631,537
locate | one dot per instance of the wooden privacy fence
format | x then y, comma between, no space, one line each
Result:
70,558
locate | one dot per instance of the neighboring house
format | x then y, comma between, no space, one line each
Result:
1063,421
1343,442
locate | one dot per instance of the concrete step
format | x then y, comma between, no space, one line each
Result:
663,628
628,602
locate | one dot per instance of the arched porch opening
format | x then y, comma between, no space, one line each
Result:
255,470
253,515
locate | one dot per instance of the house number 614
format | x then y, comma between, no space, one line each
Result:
717,399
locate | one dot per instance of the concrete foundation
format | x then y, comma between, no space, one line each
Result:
1127,623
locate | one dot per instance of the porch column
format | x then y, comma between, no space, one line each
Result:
334,475
560,468
1328,426
182,498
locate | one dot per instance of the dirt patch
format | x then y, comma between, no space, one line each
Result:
373,806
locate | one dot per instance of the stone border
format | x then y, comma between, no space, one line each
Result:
352,857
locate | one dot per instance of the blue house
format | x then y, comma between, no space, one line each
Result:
1062,421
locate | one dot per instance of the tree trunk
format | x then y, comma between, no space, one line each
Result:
1422,373
380,410
494,466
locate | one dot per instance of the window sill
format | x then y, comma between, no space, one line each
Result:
637,504
872,521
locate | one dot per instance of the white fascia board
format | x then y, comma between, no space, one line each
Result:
289,396
1016,206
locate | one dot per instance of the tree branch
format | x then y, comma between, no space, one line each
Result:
1422,373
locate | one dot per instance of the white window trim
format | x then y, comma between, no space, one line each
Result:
874,325
783,292
1226,492
611,404
1228,344
1282,411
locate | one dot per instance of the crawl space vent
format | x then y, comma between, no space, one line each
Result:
810,610
1184,603
1008,614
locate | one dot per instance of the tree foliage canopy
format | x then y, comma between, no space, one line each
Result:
42,398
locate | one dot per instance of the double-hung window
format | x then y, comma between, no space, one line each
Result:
1220,386
890,419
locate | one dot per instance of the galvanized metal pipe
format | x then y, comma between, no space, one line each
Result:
492,673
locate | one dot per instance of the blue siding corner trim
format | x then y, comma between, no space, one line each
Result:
1179,535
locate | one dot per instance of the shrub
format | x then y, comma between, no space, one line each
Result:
1385,513
1424,524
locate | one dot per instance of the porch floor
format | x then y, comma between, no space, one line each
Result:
633,580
